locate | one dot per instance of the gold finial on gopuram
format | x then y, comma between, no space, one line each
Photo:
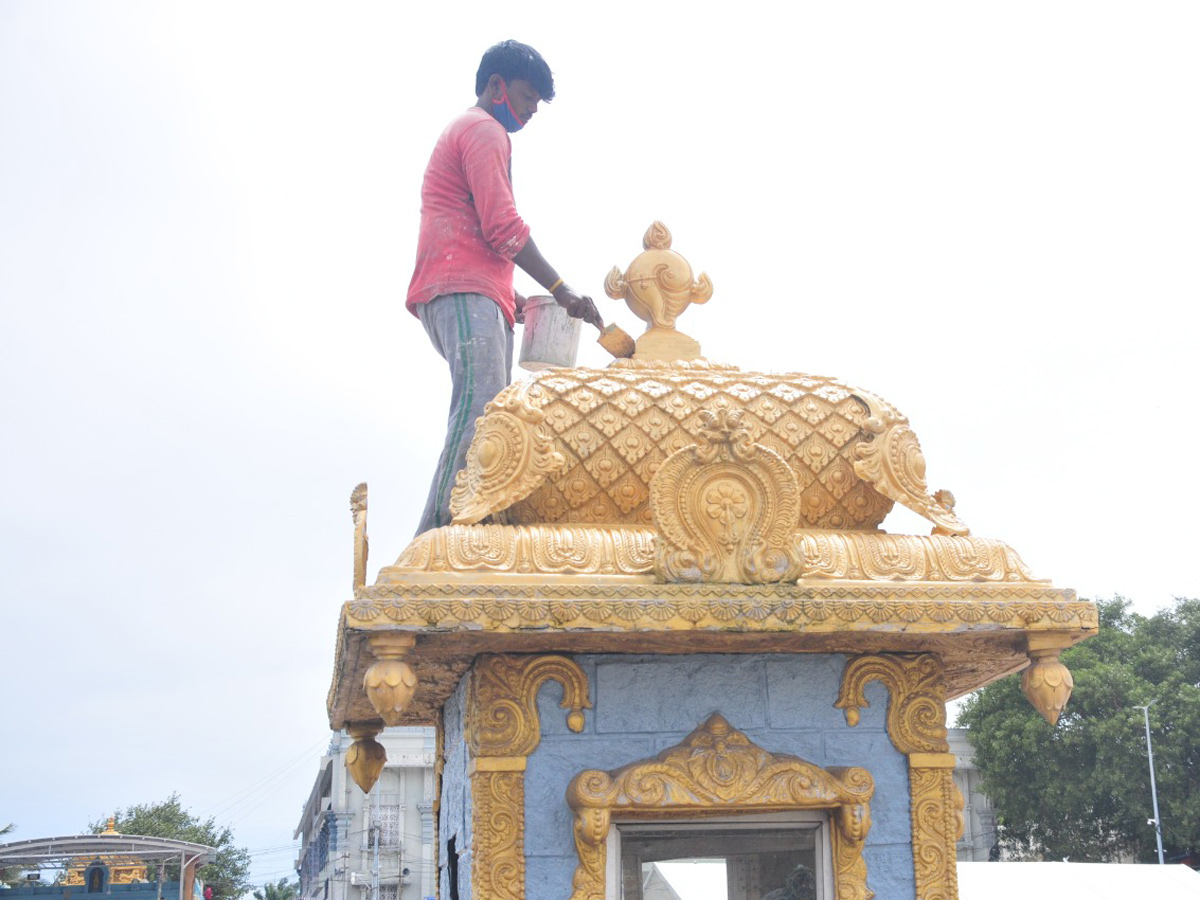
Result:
657,287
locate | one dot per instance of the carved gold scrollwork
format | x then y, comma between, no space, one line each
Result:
510,455
726,509
916,716
717,769
504,720
916,724
934,830
498,870
502,730
895,466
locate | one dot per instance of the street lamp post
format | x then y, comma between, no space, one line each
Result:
1153,787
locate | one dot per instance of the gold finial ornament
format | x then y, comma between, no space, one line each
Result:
657,287
391,682
1047,683
366,756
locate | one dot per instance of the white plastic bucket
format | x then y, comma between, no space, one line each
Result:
551,337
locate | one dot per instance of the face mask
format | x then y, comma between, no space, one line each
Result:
503,111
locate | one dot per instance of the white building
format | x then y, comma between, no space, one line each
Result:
351,844
979,819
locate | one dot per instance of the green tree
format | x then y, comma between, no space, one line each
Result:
1081,788
228,874
282,890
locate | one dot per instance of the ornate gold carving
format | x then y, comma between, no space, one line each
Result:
358,511
895,466
521,550
504,720
510,455
726,509
615,427
366,756
935,824
628,552
717,769
390,682
1047,683
916,715
916,724
657,287
502,730
498,801
783,607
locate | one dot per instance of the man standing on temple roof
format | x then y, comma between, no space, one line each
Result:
471,236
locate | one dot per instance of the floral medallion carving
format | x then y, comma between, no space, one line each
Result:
726,509
717,769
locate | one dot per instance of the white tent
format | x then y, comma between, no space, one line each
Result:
1075,881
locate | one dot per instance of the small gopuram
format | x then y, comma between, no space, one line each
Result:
686,557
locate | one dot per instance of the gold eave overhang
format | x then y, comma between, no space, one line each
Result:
969,600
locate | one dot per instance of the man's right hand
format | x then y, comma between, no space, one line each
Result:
578,306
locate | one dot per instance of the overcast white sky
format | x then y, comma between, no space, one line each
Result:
986,213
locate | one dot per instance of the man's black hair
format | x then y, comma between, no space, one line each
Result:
512,59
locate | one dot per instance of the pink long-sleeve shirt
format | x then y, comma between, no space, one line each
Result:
470,228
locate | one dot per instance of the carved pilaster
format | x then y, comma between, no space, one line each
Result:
502,730
498,872
916,724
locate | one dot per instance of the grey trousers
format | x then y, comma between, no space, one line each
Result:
472,335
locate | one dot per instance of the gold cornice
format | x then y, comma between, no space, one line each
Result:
715,770
562,553
624,607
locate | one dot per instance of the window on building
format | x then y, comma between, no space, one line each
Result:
387,820
778,857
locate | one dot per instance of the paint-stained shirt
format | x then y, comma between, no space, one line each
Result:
470,228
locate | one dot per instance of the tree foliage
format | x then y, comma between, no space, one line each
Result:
1081,788
228,874
282,890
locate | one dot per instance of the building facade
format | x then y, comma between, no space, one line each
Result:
979,819
377,846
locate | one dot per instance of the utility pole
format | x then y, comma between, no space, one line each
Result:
1153,787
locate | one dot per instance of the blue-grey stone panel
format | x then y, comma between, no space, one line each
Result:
455,811
645,704
676,693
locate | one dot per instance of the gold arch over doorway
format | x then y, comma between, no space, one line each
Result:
717,769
